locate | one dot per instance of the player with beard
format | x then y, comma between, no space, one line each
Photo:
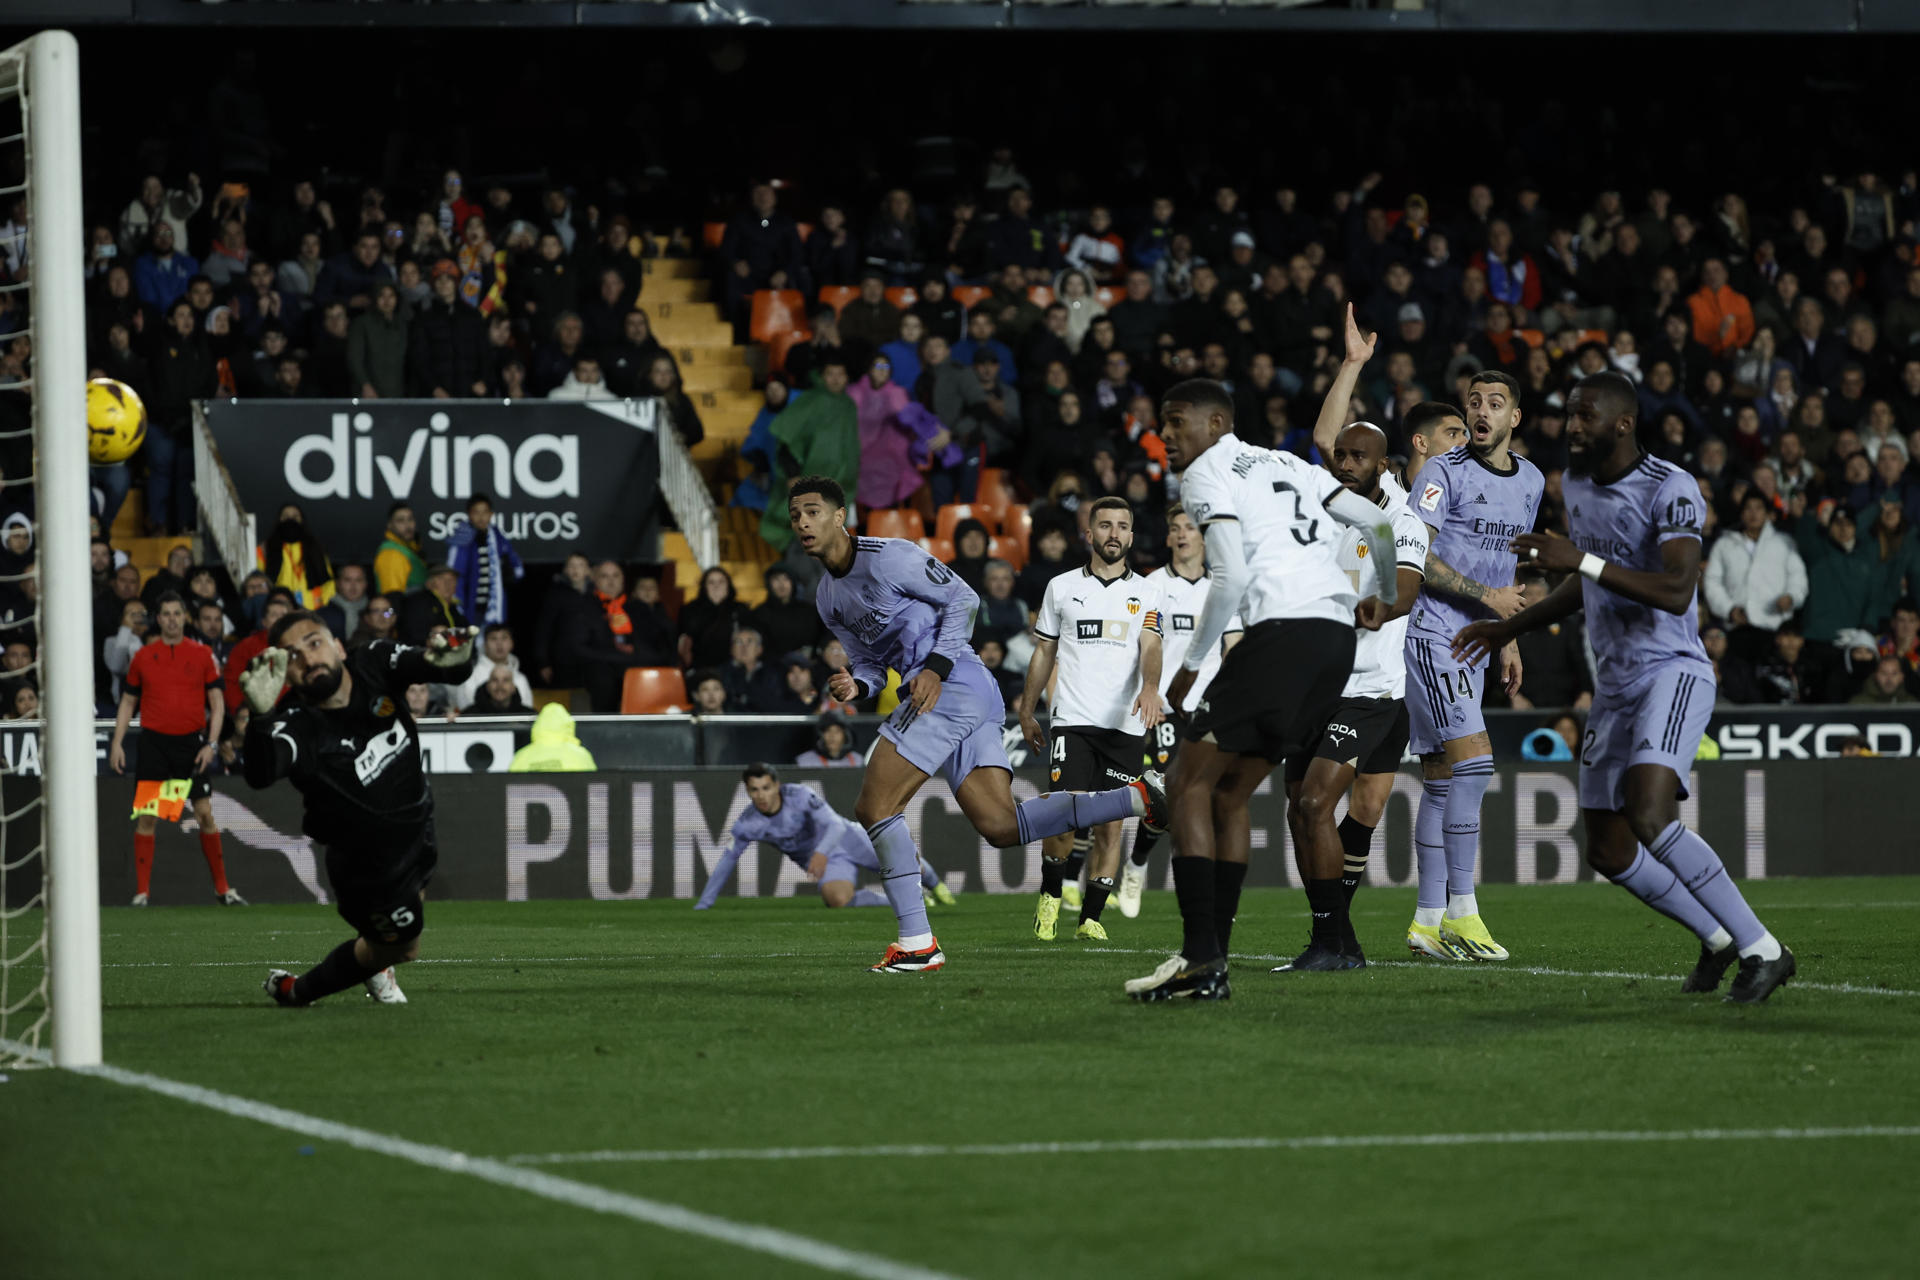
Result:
1474,502
895,607
1633,564
1362,741
1102,626
1271,522
348,743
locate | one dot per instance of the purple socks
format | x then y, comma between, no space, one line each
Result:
1651,881
1461,835
1429,851
900,873
1700,870
1059,811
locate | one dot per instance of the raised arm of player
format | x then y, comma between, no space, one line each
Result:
446,659
1333,410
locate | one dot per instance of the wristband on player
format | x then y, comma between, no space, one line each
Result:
1591,565
940,664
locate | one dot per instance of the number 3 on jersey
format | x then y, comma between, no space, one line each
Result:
1299,514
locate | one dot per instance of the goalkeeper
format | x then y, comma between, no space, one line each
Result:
347,741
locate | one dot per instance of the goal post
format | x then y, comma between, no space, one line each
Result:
44,73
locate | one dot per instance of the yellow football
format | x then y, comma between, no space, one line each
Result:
116,421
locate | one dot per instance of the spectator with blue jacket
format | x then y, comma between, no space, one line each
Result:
161,274
483,558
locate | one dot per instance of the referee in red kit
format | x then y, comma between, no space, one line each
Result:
176,685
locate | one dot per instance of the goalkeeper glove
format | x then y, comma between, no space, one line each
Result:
263,680
452,647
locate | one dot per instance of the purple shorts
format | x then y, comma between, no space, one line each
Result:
962,732
1658,719
1443,694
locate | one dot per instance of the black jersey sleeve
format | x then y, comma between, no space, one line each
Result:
275,747
400,665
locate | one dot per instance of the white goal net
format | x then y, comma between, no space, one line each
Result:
49,871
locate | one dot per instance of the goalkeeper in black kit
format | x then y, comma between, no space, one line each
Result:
346,740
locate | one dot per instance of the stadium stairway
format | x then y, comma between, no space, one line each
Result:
718,377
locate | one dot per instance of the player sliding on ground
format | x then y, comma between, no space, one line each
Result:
893,605
798,822
349,746
1102,625
1271,522
1634,565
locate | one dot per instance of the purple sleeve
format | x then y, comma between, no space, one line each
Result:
1429,496
921,576
724,872
862,663
1677,511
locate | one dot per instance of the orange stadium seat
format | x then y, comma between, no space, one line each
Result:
650,691
995,496
1016,523
954,512
901,523
712,233
969,295
1040,295
837,296
1012,550
1532,337
903,296
778,311
1109,296
940,549
804,228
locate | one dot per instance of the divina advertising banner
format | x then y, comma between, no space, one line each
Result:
561,475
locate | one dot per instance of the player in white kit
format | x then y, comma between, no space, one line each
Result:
1182,582
1271,522
1101,624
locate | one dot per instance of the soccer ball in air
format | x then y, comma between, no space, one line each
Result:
116,421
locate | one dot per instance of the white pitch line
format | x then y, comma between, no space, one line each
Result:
1312,1143
772,1241
1429,966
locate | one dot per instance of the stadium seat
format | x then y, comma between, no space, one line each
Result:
903,296
712,233
805,229
1012,550
1016,523
1040,295
940,549
781,343
995,495
900,523
837,296
651,691
1532,337
778,311
954,512
968,295
1109,296
1595,335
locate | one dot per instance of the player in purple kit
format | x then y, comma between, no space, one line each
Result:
1475,501
798,822
1636,524
894,606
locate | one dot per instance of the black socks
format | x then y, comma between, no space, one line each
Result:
337,972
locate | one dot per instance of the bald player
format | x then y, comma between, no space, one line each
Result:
1633,564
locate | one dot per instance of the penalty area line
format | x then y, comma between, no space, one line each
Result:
772,1241
1319,1142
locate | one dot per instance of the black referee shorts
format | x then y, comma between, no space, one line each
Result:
168,757
1276,688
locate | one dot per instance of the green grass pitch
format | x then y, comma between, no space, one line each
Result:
647,1027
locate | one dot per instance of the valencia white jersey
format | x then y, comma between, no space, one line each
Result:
1277,501
1379,657
1097,625
1181,601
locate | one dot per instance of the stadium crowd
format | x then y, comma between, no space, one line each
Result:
1777,352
